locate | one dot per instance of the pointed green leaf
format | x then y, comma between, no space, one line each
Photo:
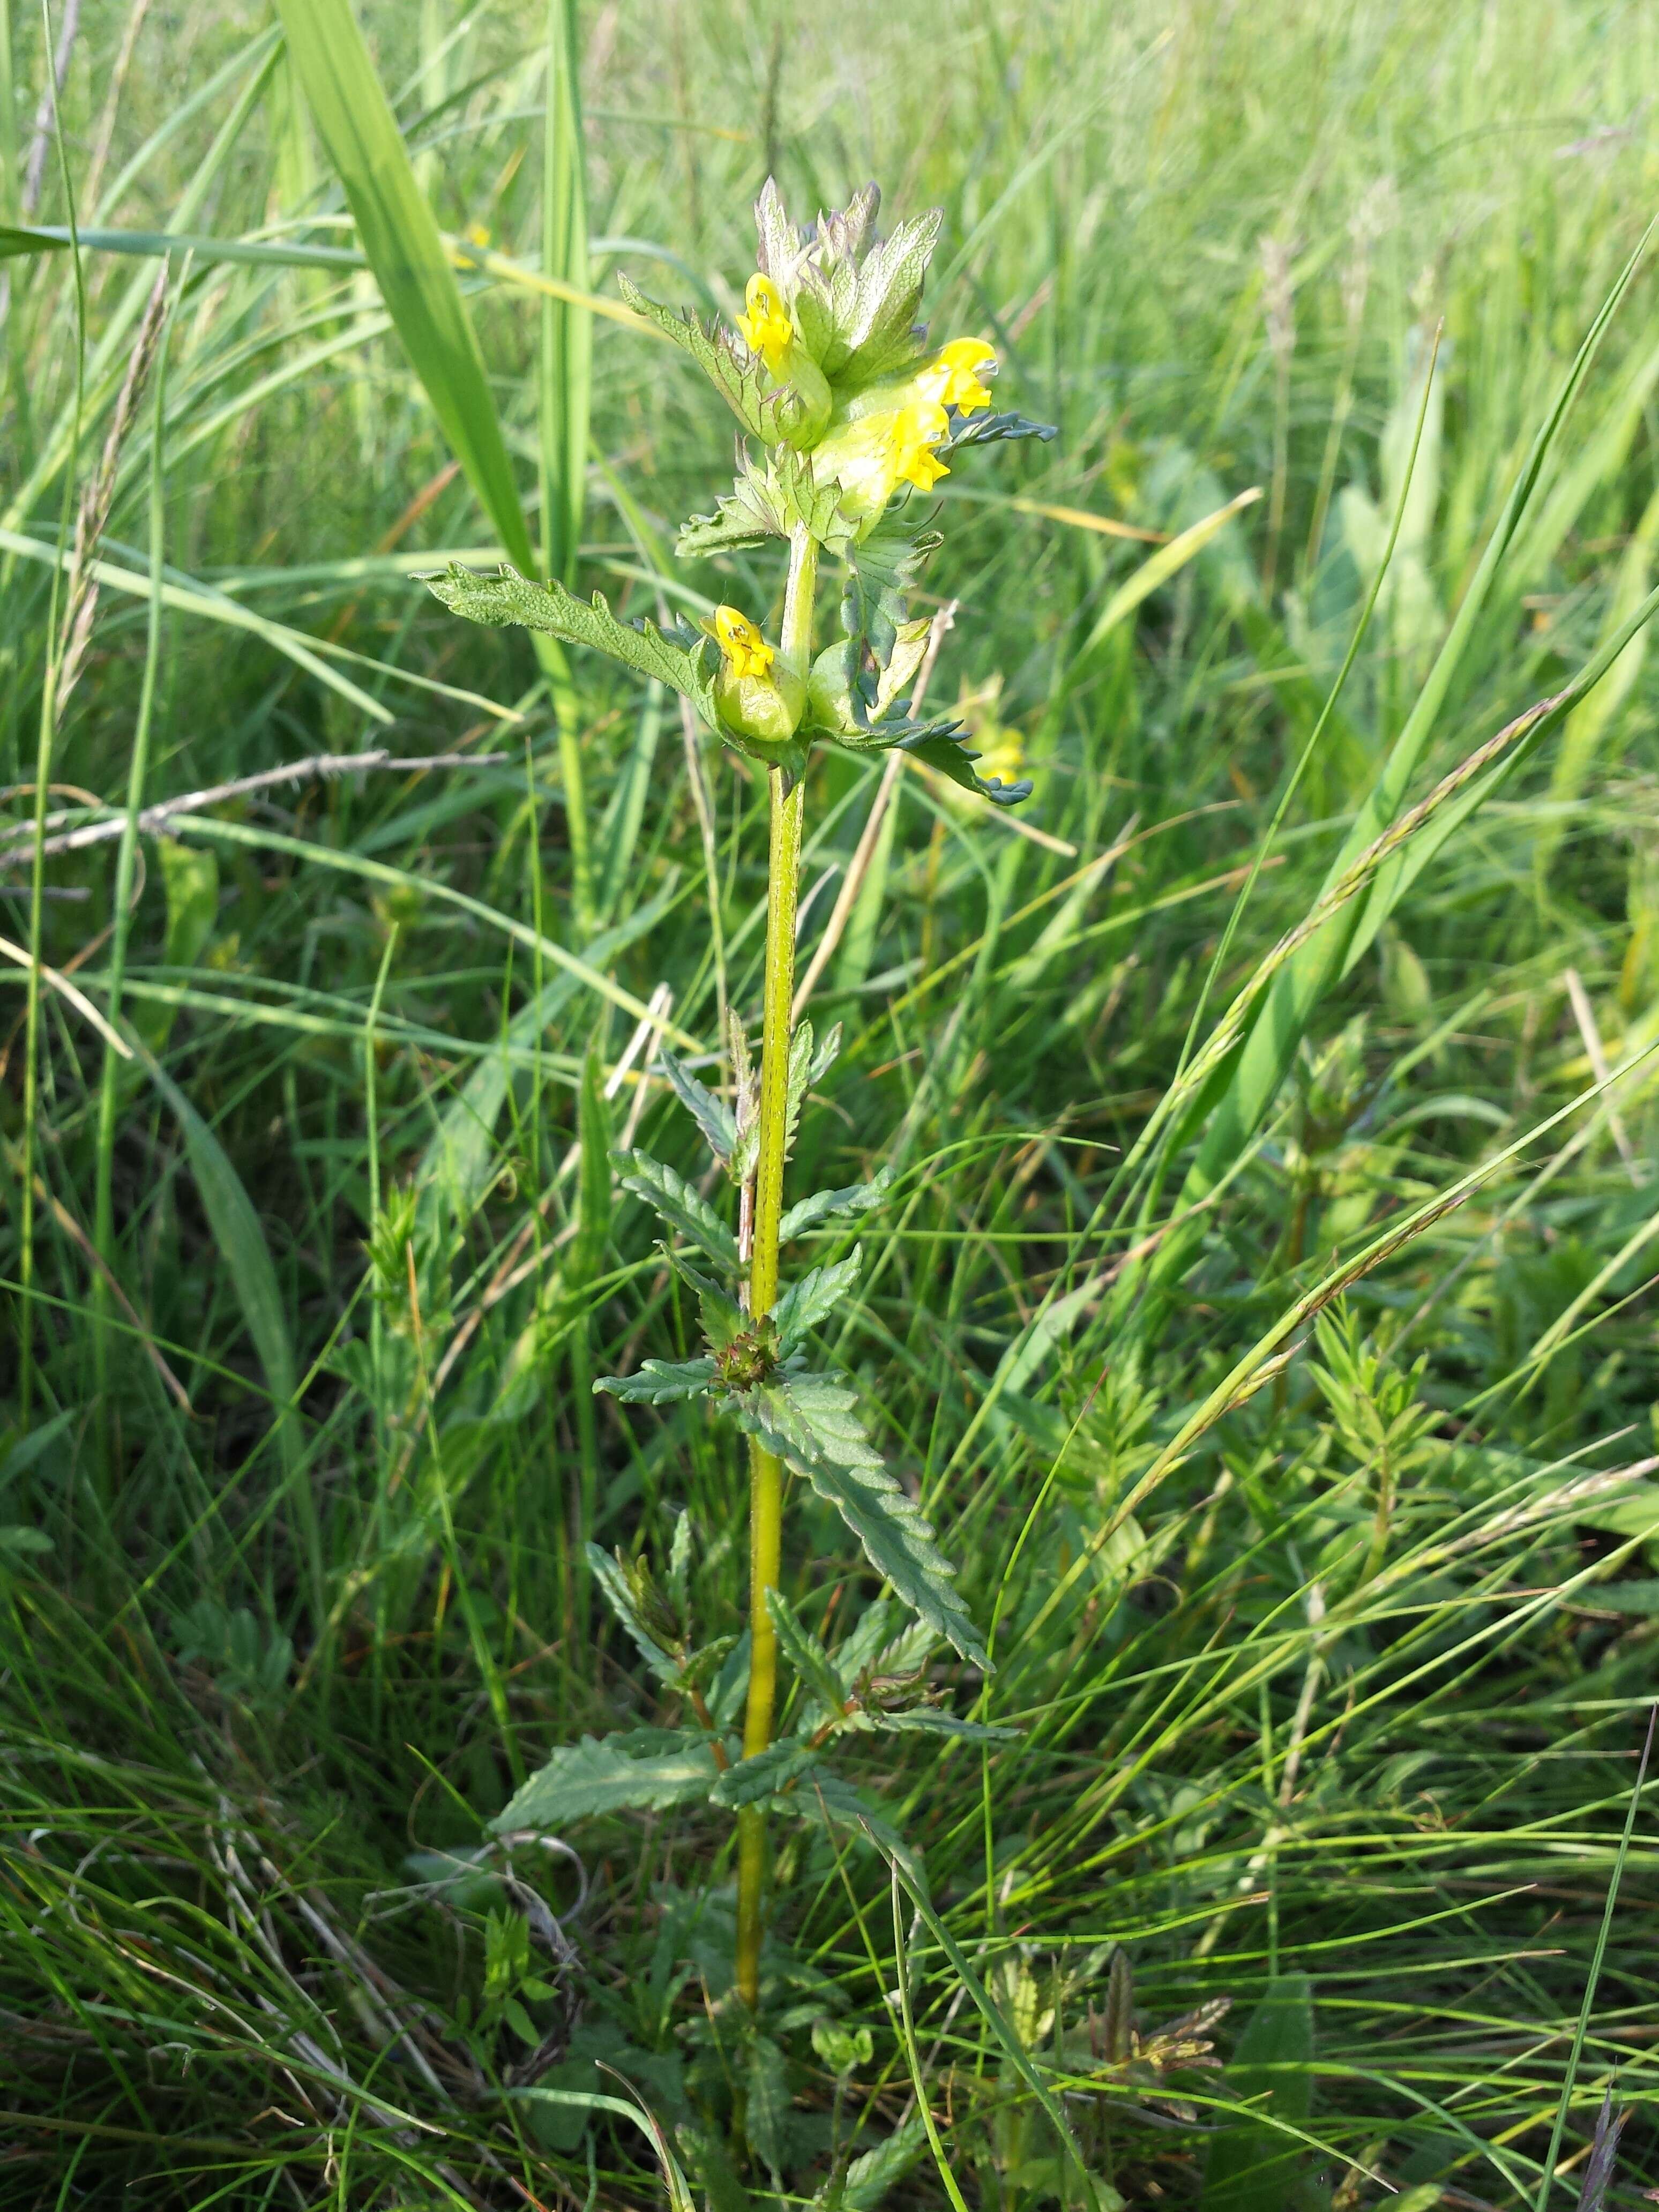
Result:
826,1204
869,2177
648,1769
804,1653
883,336
810,1421
726,362
663,1663
1253,2162
951,757
753,1781
712,1115
658,1382
813,1299
992,430
723,1319
676,1202
507,599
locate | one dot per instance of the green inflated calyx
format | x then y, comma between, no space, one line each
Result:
759,693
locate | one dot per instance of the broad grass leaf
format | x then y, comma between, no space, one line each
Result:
676,1202
399,235
928,1720
646,1769
810,1422
1252,2163
566,329
593,1193
766,2106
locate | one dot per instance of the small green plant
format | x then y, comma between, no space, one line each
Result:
849,412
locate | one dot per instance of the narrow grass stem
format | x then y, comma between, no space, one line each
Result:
121,920
765,1471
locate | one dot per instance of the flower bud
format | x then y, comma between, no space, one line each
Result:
757,694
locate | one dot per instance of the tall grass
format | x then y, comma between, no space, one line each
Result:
1328,1622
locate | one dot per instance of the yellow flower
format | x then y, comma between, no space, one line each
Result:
952,377
915,432
871,456
767,329
746,651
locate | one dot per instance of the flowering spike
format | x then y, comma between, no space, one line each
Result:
952,376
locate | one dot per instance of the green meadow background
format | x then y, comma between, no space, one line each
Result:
1332,1700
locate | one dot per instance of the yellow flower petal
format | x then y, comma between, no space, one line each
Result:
952,376
746,651
916,431
767,329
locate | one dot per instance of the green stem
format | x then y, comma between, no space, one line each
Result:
765,1471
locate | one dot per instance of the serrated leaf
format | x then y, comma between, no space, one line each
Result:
766,2102
676,1202
754,1781
928,1720
739,378
804,1653
799,1075
663,1663
768,502
991,429
723,1319
810,1421
953,759
868,2179
883,336
824,1796
658,1382
826,1055
813,1298
507,600
711,1114
777,241
881,571
645,1769
826,1204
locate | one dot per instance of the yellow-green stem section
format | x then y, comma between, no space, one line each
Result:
765,1472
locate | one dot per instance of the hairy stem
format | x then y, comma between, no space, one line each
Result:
765,1472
